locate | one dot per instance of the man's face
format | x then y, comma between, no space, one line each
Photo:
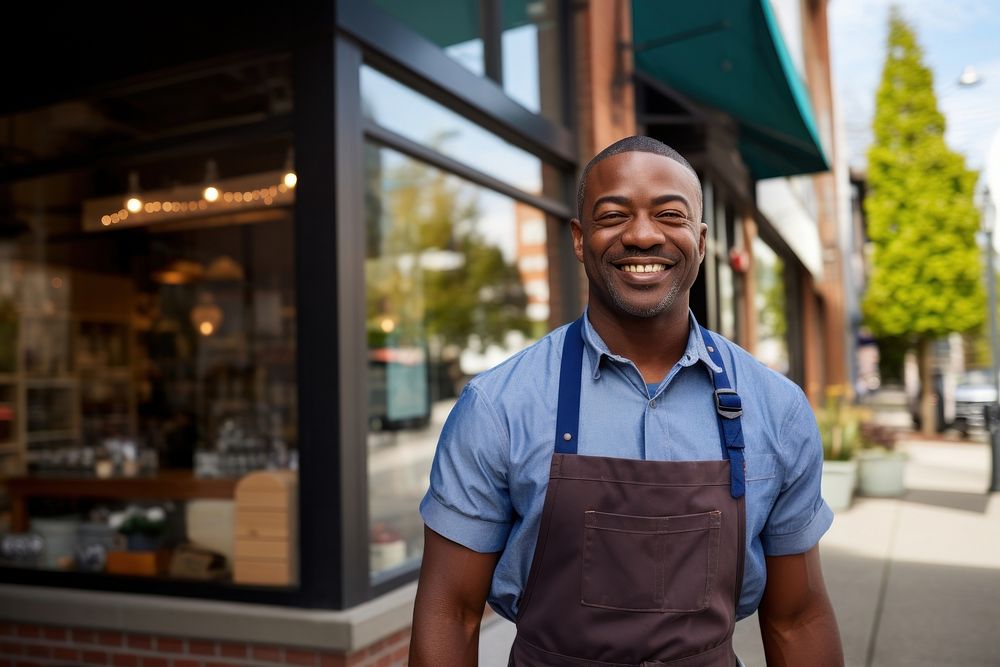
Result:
641,239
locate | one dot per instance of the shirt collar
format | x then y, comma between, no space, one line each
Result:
596,349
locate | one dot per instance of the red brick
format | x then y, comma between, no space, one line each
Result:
29,631
331,660
233,650
11,648
67,654
59,634
186,663
266,653
169,644
95,658
221,664
125,660
307,658
83,636
201,648
139,641
109,638
148,661
36,651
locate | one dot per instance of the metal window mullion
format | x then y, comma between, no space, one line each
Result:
400,143
491,32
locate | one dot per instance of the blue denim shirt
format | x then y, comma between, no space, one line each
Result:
491,467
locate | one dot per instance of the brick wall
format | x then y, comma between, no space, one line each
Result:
24,645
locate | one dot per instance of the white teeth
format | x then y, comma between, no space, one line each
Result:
643,268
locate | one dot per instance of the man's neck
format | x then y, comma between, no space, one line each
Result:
653,344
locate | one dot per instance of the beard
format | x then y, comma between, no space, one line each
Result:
634,309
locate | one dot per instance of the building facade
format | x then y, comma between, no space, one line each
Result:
248,262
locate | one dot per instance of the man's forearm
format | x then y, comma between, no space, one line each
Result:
442,639
813,640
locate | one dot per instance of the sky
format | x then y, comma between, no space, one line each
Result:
954,34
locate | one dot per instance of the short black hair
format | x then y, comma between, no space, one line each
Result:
634,144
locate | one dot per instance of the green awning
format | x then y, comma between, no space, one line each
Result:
729,55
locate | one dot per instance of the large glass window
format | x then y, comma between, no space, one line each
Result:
457,280
769,303
531,47
524,34
404,111
454,25
148,399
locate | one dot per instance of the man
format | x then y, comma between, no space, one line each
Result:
608,489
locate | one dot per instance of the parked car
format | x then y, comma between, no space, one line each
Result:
975,391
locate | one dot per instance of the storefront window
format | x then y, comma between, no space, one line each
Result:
454,25
769,302
148,398
457,280
404,111
531,48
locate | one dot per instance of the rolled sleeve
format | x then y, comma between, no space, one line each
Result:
468,501
800,516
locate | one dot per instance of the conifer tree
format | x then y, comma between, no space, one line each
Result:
927,278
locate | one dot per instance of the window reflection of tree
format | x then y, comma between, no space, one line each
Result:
433,280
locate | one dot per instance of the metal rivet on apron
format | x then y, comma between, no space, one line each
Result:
567,436
711,349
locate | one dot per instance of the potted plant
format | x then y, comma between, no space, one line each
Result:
880,466
143,528
840,432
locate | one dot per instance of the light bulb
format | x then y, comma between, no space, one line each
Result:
133,203
290,179
210,194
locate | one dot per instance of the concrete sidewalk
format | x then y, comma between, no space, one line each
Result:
915,581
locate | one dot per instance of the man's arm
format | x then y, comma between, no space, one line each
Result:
451,594
797,623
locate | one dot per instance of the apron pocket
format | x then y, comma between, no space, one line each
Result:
650,563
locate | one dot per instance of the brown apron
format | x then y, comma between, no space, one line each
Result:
637,563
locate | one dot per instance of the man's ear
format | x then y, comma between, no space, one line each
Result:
577,229
702,240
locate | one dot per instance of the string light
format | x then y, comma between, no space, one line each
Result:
212,196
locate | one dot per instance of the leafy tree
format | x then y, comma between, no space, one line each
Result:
926,279
431,273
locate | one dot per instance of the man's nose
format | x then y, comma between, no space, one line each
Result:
642,232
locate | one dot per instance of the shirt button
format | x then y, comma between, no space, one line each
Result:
652,403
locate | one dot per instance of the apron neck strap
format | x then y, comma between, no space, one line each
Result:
727,404
568,414
729,409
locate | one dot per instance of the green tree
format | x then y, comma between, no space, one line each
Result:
431,272
926,279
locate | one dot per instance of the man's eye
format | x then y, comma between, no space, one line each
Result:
611,215
673,214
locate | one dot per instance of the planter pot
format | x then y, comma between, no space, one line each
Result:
140,542
880,474
838,483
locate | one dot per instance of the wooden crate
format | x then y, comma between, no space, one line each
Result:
266,529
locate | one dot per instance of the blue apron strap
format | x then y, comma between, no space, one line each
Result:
568,414
729,409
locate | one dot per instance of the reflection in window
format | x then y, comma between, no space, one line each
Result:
769,303
451,24
531,47
406,112
447,297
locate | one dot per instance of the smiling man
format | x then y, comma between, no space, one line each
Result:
630,486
